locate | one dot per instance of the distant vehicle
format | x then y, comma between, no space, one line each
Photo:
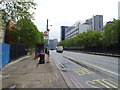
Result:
52,49
59,49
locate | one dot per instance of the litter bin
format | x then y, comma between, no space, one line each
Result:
42,59
40,52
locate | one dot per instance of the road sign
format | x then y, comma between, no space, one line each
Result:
45,36
45,33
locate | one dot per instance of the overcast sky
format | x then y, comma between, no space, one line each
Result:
67,12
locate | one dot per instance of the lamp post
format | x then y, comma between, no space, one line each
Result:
47,39
47,31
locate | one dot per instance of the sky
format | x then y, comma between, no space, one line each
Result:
67,12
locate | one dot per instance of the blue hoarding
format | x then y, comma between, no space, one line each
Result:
4,54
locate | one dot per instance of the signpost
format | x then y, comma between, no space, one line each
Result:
45,37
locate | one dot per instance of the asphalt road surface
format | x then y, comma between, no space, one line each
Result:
87,71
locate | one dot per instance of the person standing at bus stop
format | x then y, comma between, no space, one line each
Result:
47,54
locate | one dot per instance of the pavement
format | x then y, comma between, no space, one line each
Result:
27,73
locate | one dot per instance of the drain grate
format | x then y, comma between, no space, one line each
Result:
13,86
63,67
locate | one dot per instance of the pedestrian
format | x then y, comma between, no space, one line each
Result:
47,54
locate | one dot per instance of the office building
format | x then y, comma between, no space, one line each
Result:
94,23
88,22
63,30
76,29
84,28
53,43
72,30
97,22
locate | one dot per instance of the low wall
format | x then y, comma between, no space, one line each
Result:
99,49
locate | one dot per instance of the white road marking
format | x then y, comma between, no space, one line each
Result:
96,67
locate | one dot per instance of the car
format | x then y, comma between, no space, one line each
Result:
59,49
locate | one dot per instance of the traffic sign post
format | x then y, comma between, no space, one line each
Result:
45,37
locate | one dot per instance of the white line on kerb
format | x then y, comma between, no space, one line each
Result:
98,67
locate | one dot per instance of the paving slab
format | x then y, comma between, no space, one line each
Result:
28,73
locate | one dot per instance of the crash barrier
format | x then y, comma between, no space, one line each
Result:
4,54
17,50
100,49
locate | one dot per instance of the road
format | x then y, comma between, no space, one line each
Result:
87,71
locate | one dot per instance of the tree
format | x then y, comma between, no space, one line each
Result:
85,39
17,9
111,33
26,32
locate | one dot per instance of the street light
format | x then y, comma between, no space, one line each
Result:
48,32
48,39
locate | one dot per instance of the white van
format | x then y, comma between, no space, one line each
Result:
59,49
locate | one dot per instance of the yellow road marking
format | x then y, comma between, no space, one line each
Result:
88,71
112,81
109,83
87,82
83,71
101,83
78,73
104,82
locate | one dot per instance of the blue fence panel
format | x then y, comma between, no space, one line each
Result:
0,55
4,54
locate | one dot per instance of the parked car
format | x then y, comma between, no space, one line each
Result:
59,49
